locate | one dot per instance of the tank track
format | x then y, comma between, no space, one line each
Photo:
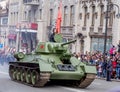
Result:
44,78
41,78
35,77
86,81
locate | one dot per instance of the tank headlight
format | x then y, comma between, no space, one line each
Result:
52,61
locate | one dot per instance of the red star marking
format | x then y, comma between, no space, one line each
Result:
41,46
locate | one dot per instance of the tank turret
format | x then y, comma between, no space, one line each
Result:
49,47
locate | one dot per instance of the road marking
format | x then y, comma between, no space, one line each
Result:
4,73
73,89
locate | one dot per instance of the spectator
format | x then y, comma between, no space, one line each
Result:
114,64
104,65
52,36
78,56
99,70
112,51
119,47
118,68
109,69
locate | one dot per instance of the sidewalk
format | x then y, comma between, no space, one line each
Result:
117,80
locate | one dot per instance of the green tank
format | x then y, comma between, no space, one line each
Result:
51,61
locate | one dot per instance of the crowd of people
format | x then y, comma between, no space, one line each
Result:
6,57
107,64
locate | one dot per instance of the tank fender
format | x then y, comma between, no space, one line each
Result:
89,69
45,67
86,68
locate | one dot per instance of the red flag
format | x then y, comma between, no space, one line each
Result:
59,19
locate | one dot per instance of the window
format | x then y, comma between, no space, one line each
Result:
11,18
25,15
29,17
11,42
51,16
4,20
35,15
85,17
65,15
101,15
93,15
80,16
24,1
40,14
17,17
72,11
98,44
14,18
29,39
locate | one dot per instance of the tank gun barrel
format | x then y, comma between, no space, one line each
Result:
68,42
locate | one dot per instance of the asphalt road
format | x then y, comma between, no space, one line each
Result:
7,85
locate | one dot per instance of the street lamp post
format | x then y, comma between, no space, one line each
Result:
109,7
19,39
106,24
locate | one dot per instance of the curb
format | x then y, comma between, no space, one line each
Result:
111,79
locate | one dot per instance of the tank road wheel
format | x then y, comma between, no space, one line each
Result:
11,71
22,76
34,77
14,73
18,74
28,76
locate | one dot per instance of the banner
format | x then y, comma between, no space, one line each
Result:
59,19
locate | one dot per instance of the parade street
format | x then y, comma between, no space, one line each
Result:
7,85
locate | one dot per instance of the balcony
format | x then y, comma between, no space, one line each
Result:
31,2
66,31
100,32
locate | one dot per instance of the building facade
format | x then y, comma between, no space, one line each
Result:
22,26
83,20
91,23
3,24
